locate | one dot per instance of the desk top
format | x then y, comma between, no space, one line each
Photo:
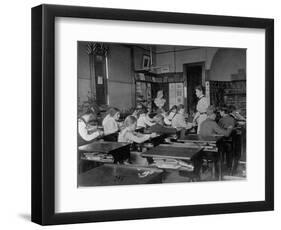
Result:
182,145
164,151
103,147
111,174
143,130
195,138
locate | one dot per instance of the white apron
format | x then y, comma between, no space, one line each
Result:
201,107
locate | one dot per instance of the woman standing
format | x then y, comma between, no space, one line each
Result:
202,105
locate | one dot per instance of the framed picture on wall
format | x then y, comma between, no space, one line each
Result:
145,62
101,148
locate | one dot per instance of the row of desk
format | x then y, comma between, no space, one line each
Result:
190,148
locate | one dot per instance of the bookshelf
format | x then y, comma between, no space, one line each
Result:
148,83
229,93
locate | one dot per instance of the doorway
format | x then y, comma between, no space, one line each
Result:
193,75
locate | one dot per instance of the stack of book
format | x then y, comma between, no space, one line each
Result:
99,157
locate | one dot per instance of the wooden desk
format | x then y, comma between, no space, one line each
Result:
182,145
119,150
110,174
140,129
153,141
178,153
165,151
102,147
205,141
195,138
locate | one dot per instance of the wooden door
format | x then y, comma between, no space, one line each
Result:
193,78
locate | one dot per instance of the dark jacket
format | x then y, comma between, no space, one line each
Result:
210,127
226,121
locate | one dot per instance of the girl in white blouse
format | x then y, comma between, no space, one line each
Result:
86,132
143,119
109,123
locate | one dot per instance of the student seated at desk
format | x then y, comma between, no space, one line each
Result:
128,134
209,127
109,123
178,120
86,132
226,120
235,113
159,127
143,119
170,115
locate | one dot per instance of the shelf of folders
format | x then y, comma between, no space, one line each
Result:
143,93
159,78
144,82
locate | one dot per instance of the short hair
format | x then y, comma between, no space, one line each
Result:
200,88
224,108
93,106
231,108
130,120
88,112
179,107
112,111
210,110
158,118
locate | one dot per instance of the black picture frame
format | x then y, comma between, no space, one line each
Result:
145,61
43,114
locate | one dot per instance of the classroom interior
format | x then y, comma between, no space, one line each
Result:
131,78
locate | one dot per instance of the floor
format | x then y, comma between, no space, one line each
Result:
174,176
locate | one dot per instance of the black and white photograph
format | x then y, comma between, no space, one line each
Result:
156,114
140,114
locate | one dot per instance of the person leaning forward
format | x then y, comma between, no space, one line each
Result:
209,127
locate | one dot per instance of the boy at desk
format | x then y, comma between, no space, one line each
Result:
235,113
209,127
128,134
226,120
